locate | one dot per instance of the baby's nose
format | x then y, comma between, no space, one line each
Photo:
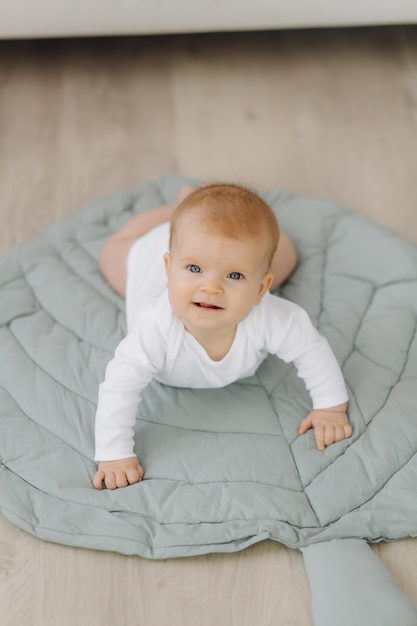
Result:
211,285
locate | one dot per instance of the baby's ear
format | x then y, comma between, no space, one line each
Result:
167,262
266,283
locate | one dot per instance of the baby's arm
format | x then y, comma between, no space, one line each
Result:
324,380
127,374
317,366
330,425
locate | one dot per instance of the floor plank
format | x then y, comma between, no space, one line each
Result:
328,113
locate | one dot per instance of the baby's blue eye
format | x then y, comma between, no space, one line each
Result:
194,268
236,276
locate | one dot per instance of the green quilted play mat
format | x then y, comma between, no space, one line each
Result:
224,468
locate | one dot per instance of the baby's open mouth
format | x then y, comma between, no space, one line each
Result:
205,305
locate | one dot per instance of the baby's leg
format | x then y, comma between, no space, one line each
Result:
113,257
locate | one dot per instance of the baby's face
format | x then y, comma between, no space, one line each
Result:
214,281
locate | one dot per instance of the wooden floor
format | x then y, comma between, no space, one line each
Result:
324,113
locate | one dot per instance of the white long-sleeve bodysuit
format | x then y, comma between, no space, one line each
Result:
158,346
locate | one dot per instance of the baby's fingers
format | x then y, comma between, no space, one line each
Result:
320,435
326,434
339,433
305,425
115,480
98,479
134,475
343,431
108,478
121,479
112,480
118,473
348,430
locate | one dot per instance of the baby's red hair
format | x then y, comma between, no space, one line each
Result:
232,211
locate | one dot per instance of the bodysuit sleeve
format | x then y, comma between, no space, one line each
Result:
314,359
136,360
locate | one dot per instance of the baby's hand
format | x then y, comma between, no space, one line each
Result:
329,425
118,473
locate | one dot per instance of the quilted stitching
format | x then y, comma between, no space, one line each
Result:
224,468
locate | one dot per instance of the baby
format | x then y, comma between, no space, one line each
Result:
208,318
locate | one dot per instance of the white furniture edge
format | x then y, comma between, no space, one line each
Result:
65,18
